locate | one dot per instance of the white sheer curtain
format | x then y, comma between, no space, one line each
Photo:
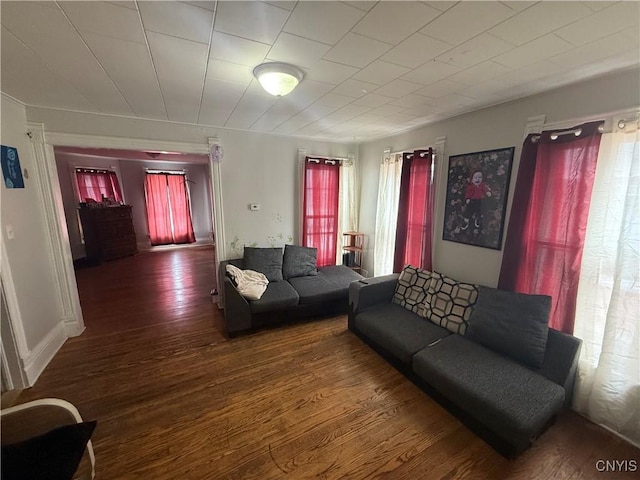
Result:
607,388
347,203
387,213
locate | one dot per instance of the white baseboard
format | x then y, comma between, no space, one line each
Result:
43,353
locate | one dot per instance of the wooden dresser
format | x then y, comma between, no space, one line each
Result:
108,232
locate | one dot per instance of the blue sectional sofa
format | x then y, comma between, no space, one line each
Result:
501,370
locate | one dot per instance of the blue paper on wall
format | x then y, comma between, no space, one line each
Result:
11,170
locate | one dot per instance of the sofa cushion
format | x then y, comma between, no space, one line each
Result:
299,261
513,400
277,296
264,260
330,284
400,332
515,324
411,289
450,303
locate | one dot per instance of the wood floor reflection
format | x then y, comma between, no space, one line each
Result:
175,399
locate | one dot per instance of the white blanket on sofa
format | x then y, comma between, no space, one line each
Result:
250,284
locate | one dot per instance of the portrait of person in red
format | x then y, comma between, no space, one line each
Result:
476,191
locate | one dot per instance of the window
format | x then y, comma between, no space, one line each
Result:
320,208
96,184
168,208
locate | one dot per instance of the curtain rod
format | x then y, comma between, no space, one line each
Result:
168,172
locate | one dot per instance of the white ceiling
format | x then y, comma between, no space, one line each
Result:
371,68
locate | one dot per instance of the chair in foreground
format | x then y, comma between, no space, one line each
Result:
46,439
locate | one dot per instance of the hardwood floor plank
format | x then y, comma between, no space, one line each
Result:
175,399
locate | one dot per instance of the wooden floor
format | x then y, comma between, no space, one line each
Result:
174,399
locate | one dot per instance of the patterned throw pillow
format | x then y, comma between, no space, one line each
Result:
411,289
450,303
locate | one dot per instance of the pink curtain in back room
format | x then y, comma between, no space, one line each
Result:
96,183
168,209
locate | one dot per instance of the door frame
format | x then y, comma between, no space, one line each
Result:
43,142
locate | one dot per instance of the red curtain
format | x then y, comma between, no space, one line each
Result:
168,210
320,217
415,212
96,183
543,249
180,209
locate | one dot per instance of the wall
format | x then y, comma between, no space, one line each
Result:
256,168
496,127
27,271
131,177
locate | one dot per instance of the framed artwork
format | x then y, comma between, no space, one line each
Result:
477,188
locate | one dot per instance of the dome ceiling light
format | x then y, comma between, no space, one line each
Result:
278,79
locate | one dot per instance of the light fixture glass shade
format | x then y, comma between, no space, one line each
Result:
278,79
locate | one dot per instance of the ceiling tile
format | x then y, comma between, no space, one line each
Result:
325,22
540,19
392,22
479,73
372,100
248,110
443,6
297,50
181,66
237,50
252,20
466,20
126,4
211,5
411,100
354,88
441,88
533,52
306,93
329,72
50,36
24,75
230,72
285,4
269,121
362,5
397,88
177,19
518,5
474,51
219,100
601,24
600,49
431,72
595,6
380,72
129,66
105,19
356,50
334,100
416,50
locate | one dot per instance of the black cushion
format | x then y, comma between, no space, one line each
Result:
264,260
399,331
514,324
299,261
54,455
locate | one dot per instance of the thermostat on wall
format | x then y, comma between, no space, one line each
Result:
254,207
